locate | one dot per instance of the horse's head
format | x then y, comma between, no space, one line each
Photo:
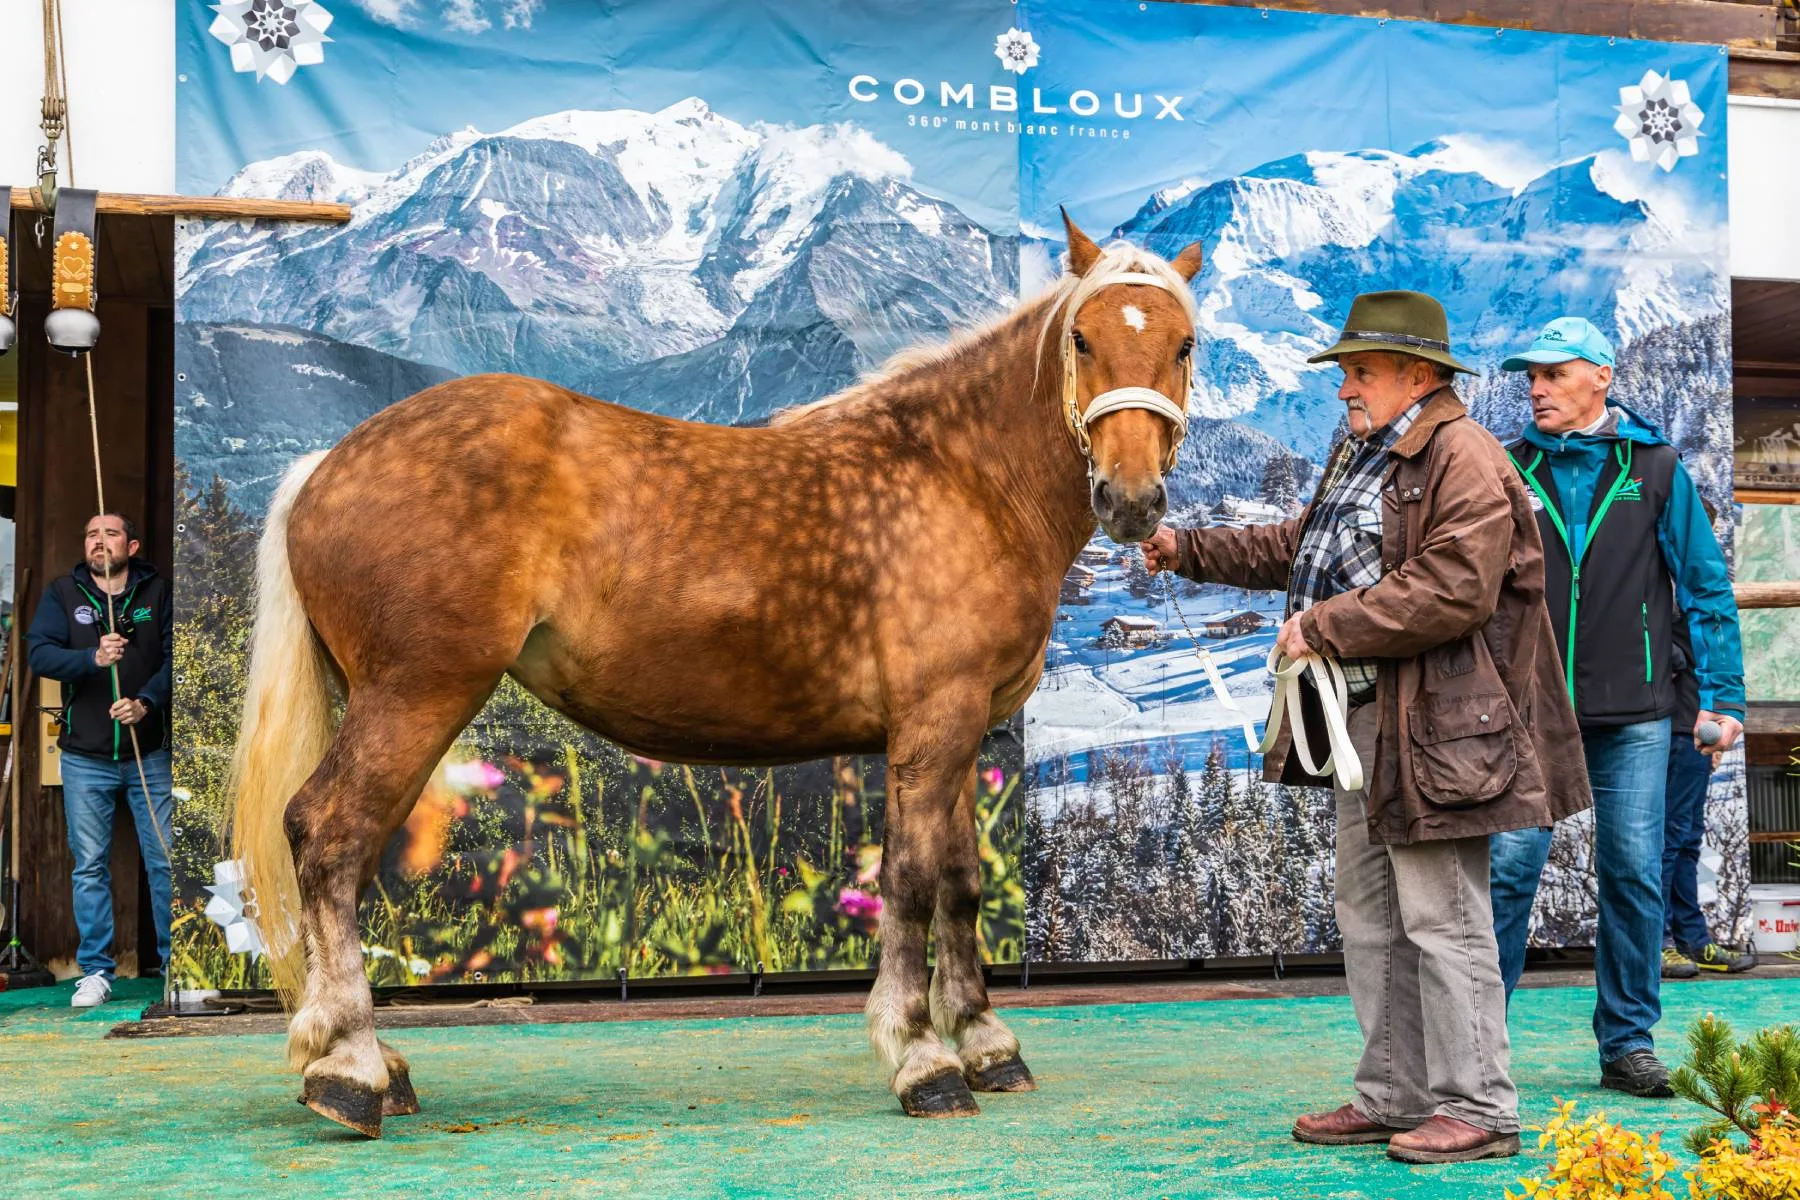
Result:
1128,342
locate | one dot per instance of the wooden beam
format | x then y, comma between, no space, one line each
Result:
1772,716
1771,73
223,208
1785,594
1765,496
1749,26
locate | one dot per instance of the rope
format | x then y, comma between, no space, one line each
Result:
1328,678
55,109
111,624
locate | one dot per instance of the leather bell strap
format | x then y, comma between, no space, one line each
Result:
7,291
1328,680
73,263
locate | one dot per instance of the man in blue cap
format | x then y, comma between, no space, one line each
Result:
1625,538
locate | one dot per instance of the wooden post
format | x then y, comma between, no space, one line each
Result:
1782,594
222,208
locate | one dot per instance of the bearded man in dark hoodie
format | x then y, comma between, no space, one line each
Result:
104,631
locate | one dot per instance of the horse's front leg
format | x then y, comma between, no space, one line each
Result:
929,757
959,1001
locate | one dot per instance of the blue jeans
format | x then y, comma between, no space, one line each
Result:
1690,772
1628,766
92,788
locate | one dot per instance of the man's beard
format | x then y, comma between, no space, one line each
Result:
98,565
1351,409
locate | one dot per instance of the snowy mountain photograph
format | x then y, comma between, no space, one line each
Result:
717,244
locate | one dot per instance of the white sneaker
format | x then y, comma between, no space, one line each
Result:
93,990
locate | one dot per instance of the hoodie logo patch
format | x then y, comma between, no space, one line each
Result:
141,614
1631,489
85,615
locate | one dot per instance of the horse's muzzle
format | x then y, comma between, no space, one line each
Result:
1130,514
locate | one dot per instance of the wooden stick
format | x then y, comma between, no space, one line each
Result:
19,723
1759,495
1784,594
225,208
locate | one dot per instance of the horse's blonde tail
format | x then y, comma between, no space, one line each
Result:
286,728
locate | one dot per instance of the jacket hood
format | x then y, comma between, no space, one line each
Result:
1626,426
135,573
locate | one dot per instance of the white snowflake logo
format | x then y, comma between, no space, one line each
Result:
1017,51
233,910
1660,120
274,38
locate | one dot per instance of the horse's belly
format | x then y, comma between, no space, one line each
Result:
690,704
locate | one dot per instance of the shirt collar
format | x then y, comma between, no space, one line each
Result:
1385,437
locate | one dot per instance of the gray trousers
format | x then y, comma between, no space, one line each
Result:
1423,970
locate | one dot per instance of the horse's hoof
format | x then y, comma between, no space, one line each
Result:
347,1103
399,1100
1011,1075
945,1095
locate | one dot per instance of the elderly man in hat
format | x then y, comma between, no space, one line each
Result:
1418,568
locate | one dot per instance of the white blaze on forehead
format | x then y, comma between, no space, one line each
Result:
1134,316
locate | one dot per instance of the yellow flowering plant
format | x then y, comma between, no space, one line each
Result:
1769,1170
1596,1158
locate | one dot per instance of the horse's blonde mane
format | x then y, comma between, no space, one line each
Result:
1062,301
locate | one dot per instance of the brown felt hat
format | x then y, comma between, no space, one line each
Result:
1404,322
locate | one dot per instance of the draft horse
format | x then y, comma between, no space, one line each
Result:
874,572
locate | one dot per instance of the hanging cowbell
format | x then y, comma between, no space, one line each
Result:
9,329
72,326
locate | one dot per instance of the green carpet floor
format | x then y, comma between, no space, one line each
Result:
1136,1101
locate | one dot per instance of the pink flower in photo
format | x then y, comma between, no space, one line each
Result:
476,776
995,778
860,905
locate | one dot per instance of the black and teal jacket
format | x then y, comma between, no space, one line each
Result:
1625,539
65,632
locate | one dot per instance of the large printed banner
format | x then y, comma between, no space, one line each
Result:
715,210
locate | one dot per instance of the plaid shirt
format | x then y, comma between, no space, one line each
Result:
1340,546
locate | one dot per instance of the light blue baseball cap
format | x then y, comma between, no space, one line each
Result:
1563,340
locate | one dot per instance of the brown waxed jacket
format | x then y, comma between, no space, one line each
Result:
1476,734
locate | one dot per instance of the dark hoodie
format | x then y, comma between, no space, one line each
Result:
1624,534
65,633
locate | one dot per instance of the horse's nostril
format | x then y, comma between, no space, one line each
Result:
1102,496
1159,499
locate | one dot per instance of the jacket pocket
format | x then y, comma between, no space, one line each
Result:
1462,748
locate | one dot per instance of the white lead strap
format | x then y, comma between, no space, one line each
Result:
1334,698
1328,680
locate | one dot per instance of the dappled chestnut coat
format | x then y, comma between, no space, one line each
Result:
1476,734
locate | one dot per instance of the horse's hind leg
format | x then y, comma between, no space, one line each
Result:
959,1001
388,745
926,766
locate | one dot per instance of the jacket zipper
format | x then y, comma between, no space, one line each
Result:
1644,613
1623,454
112,679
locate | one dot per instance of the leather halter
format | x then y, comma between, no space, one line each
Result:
1117,399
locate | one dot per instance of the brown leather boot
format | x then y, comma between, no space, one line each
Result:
1446,1140
1342,1127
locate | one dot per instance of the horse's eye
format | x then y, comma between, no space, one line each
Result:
1187,348
1081,345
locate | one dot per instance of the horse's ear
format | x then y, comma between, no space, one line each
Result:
1187,263
1083,254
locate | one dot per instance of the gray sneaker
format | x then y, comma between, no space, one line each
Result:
92,991
1721,960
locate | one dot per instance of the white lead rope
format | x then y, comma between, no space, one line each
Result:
1328,679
